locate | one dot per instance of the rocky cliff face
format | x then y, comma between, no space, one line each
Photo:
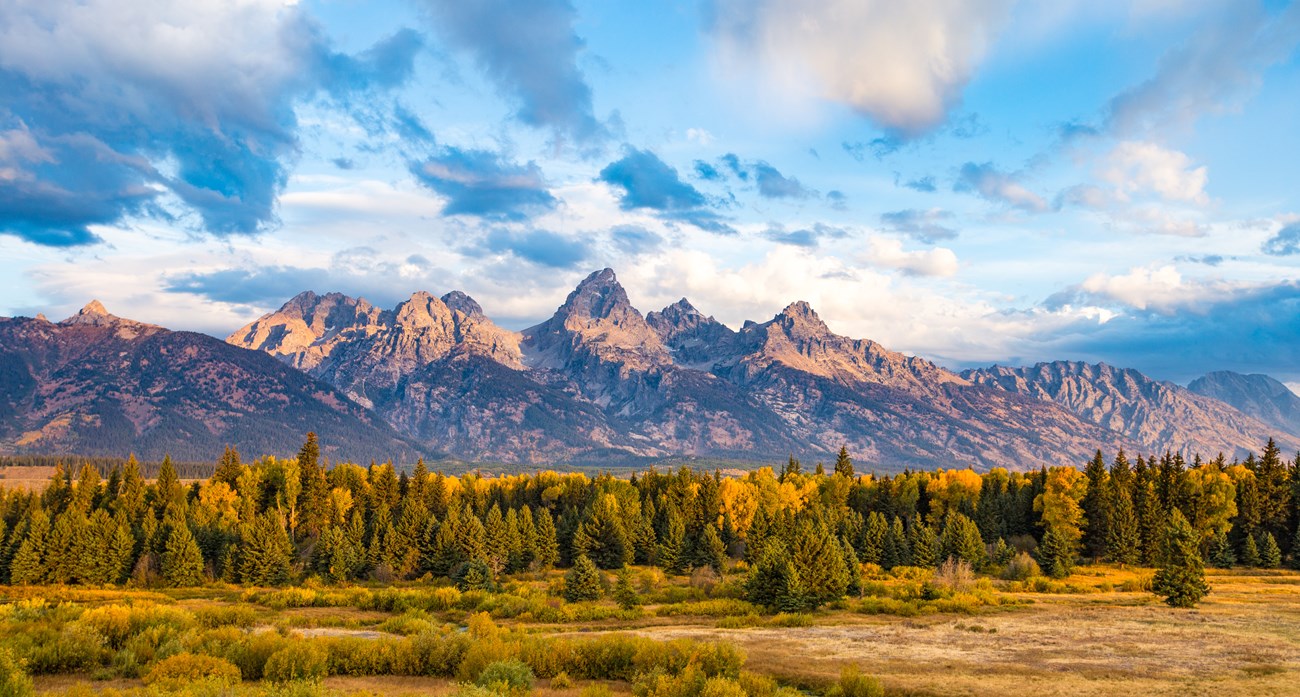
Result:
1259,396
96,384
1156,414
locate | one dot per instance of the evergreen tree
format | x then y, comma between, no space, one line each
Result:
1056,553
582,582
497,540
548,548
28,566
854,568
1250,552
1181,575
792,468
1295,541
843,463
267,555
670,556
768,576
1096,508
1123,535
1221,554
925,545
961,540
476,575
171,495
624,594
710,551
894,551
872,543
182,563
817,556
1270,555
228,467
602,537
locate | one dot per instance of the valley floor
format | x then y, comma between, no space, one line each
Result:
1083,636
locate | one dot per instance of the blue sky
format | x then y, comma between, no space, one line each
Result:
976,182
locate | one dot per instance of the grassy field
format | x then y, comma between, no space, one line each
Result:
1096,632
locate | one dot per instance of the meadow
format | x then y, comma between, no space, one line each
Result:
911,632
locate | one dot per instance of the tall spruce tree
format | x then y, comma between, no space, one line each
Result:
582,582
182,563
1095,508
1181,575
844,463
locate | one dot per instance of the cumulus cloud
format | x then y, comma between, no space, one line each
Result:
1161,289
481,183
901,64
988,182
888,253
530,50
923,226
1136,168
141,106
644,181
1214,71
1285,242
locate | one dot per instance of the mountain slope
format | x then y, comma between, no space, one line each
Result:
1159,415
96,384
1259,396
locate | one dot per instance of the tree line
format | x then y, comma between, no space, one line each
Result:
803,536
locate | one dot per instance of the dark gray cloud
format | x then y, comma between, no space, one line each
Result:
530,50
987,182
1249,330
482,184
646,182
804,237
100,119
540,247
923,226
1285,243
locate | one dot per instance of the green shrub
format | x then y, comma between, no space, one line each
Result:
510,676
1021,567
299,661
14,681
251,654
854,684
215,616
561,681
181,670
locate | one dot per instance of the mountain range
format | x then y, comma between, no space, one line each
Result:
600,383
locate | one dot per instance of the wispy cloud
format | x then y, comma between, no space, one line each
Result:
483,184
988,182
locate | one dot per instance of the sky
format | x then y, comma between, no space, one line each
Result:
973,181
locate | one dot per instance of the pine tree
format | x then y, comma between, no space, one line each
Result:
624,594
961,540
1270,556
767,578
496,543
476,575
1095,508
872,543
1181,575
1250,552
228,467
548,547
843,463
1123,536
582,582
820,563
854,568
1221,554
182,563
267,555
925,545
670,556
171,495
709,550
28,566
894,551
1056,554
602,537
1295,541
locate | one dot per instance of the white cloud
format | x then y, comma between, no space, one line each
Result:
1162,289
901,63
888,253
1139,168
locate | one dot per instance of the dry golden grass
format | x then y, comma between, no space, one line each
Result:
1243,640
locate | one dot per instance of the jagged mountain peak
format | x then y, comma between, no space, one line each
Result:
599,296
799,319
95,315
94,307
460,302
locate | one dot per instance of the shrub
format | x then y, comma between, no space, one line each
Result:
183,669
510,676
14,681
1021,567
854,684
954,575
225,616
251,654
299,661
561,681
